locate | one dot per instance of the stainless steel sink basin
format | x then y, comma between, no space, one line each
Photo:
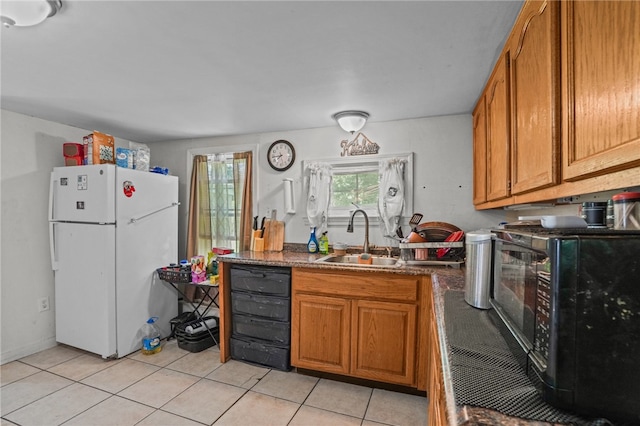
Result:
352,260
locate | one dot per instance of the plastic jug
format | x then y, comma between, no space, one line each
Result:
151,337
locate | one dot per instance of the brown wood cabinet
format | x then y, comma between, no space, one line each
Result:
535,94
325,345
573,110
601,87
436,411
360,324
384,341
498,131
480,153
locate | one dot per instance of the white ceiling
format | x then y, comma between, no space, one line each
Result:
164,70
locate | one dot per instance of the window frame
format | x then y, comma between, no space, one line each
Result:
223,149
364,163
216,150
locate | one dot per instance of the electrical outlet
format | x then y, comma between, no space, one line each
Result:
569,200
43,304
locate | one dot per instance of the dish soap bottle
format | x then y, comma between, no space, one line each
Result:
151,337
312,245
323,243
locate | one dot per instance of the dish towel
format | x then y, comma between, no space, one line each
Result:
391,194
318,177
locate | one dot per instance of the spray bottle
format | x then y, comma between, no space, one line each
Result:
312,245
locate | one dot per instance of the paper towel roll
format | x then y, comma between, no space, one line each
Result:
289,207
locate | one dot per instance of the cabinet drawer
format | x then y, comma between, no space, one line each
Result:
270,307
273,281
264,329
374,285
263,353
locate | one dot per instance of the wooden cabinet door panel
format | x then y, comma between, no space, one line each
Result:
384,341
354,284
320,331
480,153
498,132
600,87
535,96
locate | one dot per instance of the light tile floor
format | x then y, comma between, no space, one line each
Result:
175,387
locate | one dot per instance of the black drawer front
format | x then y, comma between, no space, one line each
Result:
272,281
259,352
270,307
273,331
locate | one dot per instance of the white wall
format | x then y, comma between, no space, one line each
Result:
442,171
29,149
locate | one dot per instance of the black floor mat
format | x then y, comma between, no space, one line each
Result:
486,373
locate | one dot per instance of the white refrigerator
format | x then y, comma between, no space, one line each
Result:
110,228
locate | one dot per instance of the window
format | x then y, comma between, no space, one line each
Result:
355,182
220,199
351,188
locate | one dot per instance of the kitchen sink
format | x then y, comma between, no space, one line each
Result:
352,260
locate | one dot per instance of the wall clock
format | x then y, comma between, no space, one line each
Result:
281,155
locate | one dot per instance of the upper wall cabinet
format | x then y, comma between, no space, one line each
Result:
600,87
535,95
498,131
480,153
562,106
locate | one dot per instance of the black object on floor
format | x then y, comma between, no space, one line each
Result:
180,319
198,341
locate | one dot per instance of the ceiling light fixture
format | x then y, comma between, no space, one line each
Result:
26,13
351,121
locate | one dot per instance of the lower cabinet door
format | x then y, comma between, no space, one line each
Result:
384,341
320,333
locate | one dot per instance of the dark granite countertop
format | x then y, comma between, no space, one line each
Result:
299,259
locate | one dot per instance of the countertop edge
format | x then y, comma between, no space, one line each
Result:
464,414
308,260
438,306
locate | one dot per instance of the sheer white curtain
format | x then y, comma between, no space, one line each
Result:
318,178
391,194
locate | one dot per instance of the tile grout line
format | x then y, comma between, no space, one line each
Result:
199,379
305,400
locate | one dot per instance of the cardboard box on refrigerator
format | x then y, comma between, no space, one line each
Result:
99,148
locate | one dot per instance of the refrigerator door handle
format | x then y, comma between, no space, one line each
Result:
135,219
51,183
52,246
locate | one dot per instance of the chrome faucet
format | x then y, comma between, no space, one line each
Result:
365,247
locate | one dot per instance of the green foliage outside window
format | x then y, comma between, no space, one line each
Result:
354,188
